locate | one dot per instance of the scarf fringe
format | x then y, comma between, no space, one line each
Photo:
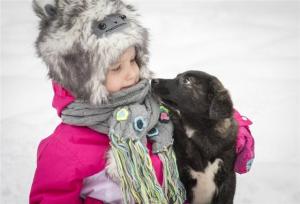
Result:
172,186
138,182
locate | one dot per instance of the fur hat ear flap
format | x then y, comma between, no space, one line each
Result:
221,106
45,9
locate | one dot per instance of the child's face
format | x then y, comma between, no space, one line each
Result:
124,73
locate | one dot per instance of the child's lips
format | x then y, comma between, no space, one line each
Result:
126,87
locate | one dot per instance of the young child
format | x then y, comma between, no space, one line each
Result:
114,144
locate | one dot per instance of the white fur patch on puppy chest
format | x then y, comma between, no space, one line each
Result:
189,131
205,188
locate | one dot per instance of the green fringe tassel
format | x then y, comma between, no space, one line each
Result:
173,188
138,180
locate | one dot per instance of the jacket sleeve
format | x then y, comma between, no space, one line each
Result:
245,151
57,178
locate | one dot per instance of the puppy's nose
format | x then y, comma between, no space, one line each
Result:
154,81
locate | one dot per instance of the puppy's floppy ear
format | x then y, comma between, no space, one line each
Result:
45,9
221,106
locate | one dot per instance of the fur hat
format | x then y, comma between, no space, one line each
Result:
80,39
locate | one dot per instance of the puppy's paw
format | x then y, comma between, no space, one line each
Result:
218,164
111,167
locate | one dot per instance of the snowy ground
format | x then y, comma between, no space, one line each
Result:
252,46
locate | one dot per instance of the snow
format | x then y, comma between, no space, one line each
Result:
252,46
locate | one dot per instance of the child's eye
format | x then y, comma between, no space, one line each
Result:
116,69
132,61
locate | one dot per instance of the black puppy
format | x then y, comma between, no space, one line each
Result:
204,135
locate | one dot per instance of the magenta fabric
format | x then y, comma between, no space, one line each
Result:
244,145
67,156
72,153
61,98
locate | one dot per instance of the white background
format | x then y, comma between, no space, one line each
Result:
253,47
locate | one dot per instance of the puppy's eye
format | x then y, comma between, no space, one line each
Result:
186,81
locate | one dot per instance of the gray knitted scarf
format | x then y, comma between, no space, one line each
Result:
128,118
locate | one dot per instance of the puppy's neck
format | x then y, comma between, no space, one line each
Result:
198,122
221,126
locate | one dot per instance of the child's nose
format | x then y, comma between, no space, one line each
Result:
131,73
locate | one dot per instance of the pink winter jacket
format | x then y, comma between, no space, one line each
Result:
68,156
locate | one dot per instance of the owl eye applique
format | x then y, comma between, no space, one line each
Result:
139,124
